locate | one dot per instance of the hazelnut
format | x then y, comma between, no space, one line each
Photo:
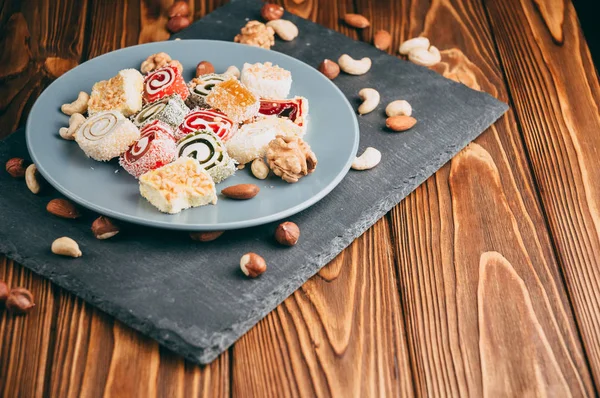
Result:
103,228
205,236
3,292
179,9
329,69
20,301
177,24
252,265
271,11
204,68
287,233
16,167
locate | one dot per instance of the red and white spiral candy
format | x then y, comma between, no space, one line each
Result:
207,119
164,82
154,149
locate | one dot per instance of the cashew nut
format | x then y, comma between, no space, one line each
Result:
31,179
369,159
233,71
370,99
285,29
412,44
425,57
398,108
75,121
354,66
80,105
66,247
259,169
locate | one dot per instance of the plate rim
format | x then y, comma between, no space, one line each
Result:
187,226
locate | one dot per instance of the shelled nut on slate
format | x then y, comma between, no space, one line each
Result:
16,167
400,123
32,179
329,68
252,265
63,208
287,233
66,246
104,228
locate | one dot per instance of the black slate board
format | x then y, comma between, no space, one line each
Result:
192,297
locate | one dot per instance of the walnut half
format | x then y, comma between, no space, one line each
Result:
157,61
256,34
290,158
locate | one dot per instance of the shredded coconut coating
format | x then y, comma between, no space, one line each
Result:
106,135
155,148
266,80
251,141
170,110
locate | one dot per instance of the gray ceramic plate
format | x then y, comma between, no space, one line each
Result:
107,189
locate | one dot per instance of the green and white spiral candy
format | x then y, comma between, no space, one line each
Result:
106,135
201,86
170,110
208,149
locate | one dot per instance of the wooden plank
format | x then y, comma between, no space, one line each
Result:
555,90
340,334
26,341
88,353
38,43
472,231
97,354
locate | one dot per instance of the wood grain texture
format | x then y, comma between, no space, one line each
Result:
556,95
484,201
341,334
26,341
482,309
30,36
70,349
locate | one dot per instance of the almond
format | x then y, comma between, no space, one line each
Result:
357,21
400,123
382,40
63,208
241,191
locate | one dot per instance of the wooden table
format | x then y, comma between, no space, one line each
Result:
485,281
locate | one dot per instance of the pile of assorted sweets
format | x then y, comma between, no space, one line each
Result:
181,139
